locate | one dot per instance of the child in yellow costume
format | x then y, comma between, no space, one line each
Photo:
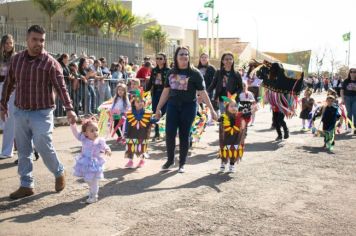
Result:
137,130
231,135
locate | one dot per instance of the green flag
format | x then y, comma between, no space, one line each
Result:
346,36
216,21
209,4
203,16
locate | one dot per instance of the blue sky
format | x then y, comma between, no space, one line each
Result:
277,25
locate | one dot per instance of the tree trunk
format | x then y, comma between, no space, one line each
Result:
108,33
50,23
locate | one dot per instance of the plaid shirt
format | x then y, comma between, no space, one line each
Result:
34,81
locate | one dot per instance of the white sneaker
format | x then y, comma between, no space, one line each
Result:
232,169
181,170
222,168
4,157
91,199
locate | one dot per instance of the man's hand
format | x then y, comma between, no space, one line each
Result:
71,117
4,115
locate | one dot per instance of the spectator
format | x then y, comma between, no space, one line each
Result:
88,95
7,50
75,86
144,73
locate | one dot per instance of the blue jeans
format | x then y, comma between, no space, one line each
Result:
9,129
92,99
350,103
179,116
36,125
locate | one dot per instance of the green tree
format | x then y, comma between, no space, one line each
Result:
50,7
90,16
119,18
156,37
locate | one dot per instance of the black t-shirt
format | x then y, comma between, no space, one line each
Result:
330,116
184,85
208,72
349,87
157,79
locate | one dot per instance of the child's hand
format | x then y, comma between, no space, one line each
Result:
108,153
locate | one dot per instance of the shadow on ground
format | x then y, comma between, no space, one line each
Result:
117,187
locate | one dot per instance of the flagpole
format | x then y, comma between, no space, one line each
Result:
207,35
217,40
348,59
212,32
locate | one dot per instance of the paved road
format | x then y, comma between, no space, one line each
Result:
288,188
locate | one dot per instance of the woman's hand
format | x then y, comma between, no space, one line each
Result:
158,114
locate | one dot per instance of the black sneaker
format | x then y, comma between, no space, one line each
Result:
167,166
279,137
37,156
286,135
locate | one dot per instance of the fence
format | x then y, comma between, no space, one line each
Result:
60,42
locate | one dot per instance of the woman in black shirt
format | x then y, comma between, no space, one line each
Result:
156,85
348,95
226,80
180,92
207,70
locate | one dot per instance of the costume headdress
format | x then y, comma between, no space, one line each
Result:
229,98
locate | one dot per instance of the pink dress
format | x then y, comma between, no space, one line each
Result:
90,163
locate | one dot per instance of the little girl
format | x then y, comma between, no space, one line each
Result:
307,107
90,163
137,130
231,135
120,106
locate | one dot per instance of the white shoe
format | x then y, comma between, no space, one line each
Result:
4,157
232,169
181,170
222,168
91,200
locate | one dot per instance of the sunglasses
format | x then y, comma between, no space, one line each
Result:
352,71
183,54
159,59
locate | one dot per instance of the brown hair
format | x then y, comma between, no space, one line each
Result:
3,55
125,97
175,65
199,64
91,121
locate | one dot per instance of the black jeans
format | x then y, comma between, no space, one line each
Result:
179,116
278,121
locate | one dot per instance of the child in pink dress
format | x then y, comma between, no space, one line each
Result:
90,163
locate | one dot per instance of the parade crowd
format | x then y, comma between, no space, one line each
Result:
126,100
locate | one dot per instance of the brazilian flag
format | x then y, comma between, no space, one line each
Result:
209,4
346,37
